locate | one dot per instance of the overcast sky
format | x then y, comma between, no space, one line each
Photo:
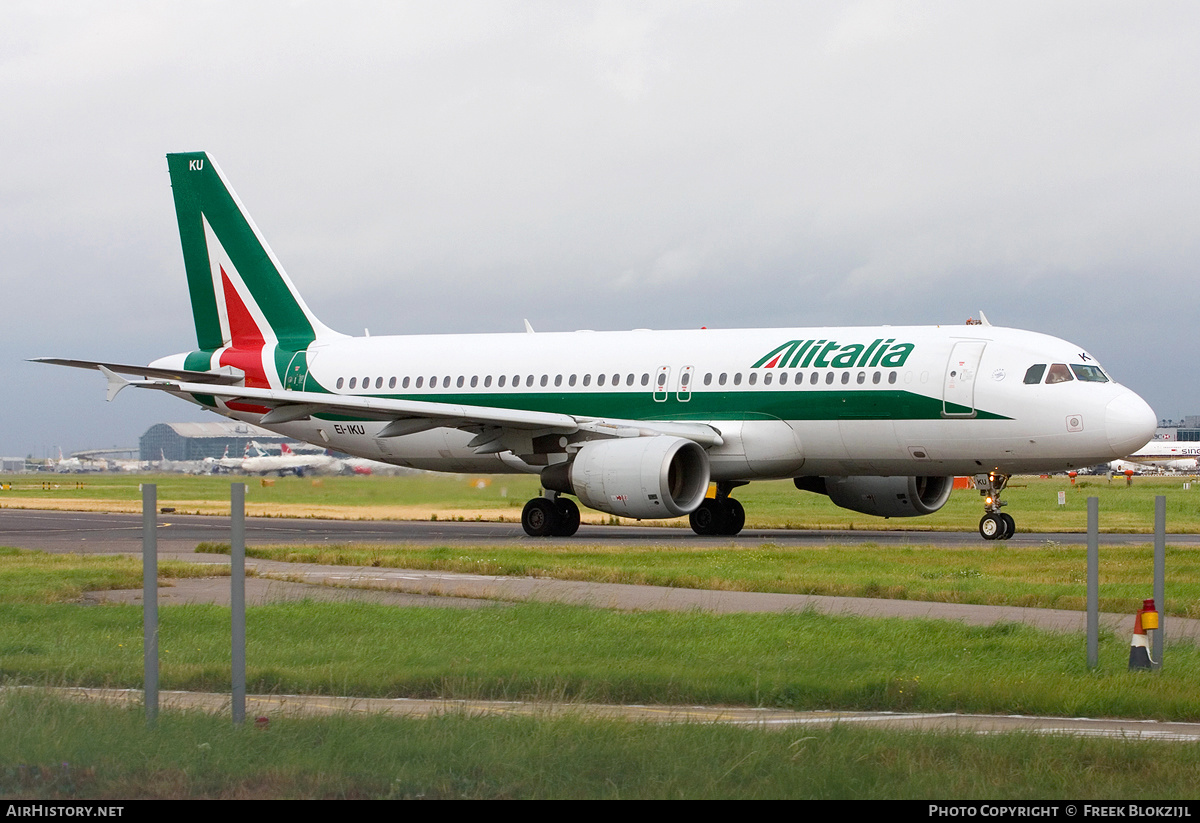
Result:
459,166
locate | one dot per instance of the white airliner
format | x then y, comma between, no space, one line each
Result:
1163,455
638,424
286,462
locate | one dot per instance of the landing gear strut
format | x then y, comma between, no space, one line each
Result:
995,524
550,516
720,515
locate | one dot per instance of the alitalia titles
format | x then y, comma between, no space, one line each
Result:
803,354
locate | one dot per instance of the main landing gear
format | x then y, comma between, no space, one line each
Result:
995,525
720,515
550,516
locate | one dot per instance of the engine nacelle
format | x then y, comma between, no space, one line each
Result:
640,477
883,496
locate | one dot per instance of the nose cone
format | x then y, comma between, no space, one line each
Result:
1129,423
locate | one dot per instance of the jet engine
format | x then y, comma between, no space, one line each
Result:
883,496
640,477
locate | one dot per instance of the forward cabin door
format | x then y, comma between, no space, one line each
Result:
958,393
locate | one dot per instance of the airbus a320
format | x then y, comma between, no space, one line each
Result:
638,424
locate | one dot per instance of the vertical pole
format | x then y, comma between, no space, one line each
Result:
1093,583
150,600
1160,594
237,597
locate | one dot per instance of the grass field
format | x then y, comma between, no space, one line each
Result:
1033,501
54,749
562,653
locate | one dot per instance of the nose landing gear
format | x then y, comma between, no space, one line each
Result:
995,524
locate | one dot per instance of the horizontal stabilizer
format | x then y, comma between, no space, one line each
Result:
226,376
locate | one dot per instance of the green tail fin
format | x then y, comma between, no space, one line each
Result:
240,293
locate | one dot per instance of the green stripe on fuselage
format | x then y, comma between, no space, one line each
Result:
885,404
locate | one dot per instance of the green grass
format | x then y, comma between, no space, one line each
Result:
55,750
534,650
1033,501
39,577
564,653
1047,576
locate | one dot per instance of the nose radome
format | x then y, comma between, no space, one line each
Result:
1129,423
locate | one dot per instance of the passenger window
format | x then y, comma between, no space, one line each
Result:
862,377
460,381
722,378
845,377
353,382
500,381
1034,375
529,381
340,381
629,380
587,380
753,378
379,382
420,380
782,378
474,380
600,378
557,380
829,378
737,379
392,383
813,380
875,378
404,383
645,379
767,379
487,381
1059,373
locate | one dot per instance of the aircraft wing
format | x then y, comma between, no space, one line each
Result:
411,416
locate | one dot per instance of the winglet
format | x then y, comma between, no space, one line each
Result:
528,328
983,321
115,382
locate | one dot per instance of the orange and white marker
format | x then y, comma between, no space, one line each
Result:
1139,646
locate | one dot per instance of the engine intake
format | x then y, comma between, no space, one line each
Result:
641,477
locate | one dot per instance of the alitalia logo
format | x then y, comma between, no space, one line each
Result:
801,354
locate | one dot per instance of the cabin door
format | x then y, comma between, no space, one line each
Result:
958,394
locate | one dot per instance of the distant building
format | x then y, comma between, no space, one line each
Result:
12,465
196,441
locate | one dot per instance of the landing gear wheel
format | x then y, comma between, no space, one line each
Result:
993,527
1010,525
540,517
735,516
709,518
568,517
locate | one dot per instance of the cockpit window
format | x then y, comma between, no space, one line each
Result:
1034,375
1089,374
1059,373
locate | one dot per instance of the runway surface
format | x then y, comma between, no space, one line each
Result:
109,532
